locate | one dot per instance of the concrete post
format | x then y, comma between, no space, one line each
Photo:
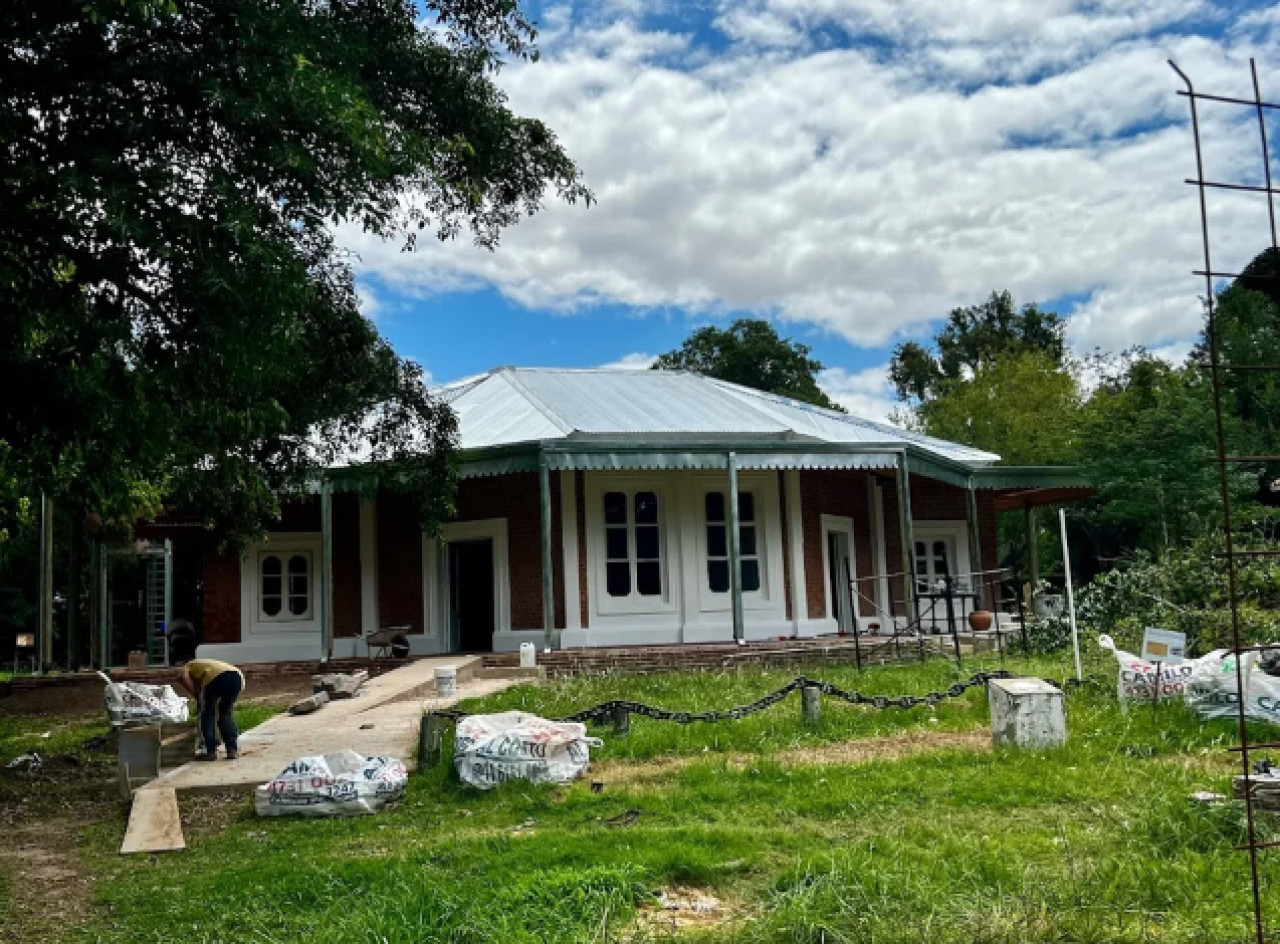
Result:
548,582
430,741
621,721
908,532
976,578
1026,712
811,704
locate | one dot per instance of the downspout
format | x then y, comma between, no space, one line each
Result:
548,582
907,529
735,551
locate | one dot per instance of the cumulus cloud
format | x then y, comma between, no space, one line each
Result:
865,393
634,361
865,165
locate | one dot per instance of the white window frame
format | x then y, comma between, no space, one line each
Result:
957,532
286,614
764,487
253,621
602,603
757,522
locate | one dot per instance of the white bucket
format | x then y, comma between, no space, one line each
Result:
446,681
528,655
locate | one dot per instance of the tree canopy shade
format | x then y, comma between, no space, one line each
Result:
971,339
750,352
173,307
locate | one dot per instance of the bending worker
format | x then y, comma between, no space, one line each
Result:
215,686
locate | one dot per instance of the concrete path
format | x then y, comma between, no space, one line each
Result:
383,721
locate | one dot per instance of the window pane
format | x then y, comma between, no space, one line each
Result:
618,579
746,506
715,506
647,543
271,586
298,604
940,557
747,540
750,576
616,539
270,565
615,508
649,578
717,544
646,508
718,576
270,604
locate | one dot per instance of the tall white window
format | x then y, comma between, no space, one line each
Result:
284,586
716,506
633,544
933,563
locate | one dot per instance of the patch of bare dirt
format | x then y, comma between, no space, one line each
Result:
845,752
49,891
679,909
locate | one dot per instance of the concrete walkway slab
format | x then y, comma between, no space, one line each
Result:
382,721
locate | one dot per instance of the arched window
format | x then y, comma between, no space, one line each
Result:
272,591
284,586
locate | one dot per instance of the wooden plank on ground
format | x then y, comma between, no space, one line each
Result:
154,822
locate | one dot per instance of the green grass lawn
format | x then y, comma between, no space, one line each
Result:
1095,842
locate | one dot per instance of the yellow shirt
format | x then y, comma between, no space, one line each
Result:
204,671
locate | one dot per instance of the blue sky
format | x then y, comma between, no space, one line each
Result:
852,170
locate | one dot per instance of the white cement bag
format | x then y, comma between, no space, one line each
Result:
1138,682
1213,690
132,703
513,745
341,784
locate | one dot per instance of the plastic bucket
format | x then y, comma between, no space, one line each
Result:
446,681
528,655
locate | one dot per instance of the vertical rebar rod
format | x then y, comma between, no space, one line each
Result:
1215,373
1266,152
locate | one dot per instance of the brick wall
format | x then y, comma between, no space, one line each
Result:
346,564
399,562
221,615
840,493
515,497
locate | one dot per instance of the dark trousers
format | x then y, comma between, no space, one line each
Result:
217,705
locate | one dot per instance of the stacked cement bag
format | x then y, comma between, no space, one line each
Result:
513,745
341,784
132,703
1208,684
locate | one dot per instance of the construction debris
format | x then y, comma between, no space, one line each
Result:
309,704
340,784
338,684
1263,786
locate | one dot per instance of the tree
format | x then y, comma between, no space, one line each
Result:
1148,444
1018,404
751,353
175,311
972,338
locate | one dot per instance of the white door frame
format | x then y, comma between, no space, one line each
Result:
435,577
836,524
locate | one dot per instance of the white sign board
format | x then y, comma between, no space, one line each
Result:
1163,645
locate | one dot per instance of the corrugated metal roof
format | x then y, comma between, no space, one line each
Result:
509,406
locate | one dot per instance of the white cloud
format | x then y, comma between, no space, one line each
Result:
866,394
1034,146
634,361
369,304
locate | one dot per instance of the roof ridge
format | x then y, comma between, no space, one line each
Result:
510,375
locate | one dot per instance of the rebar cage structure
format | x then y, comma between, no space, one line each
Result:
1224,457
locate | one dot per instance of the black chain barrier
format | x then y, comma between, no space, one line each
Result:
606,711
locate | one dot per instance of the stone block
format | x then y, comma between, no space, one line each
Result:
309,704
1026,713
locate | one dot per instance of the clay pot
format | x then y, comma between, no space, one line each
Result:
980,620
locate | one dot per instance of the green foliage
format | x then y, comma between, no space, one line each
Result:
1149,442
751,353
176,313
1020,405
972,339
1184,589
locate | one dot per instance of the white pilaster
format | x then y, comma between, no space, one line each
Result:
795,547
569,544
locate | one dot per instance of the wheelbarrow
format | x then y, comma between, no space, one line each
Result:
389,643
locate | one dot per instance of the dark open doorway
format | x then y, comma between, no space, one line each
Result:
471,595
